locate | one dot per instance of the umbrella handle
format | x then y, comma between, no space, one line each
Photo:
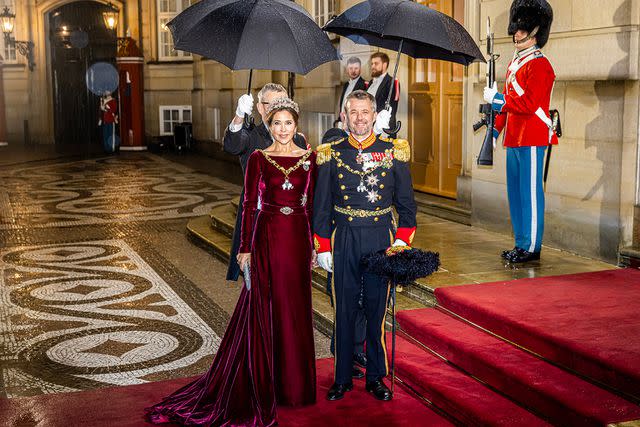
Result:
248,120
394,131
387,104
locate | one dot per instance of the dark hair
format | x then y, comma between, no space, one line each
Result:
383,57
273,112
361,95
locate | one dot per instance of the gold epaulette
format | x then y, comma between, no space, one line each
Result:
323,152
385,139
401,150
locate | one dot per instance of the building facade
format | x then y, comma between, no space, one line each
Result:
592,190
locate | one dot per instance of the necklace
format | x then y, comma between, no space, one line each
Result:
287,185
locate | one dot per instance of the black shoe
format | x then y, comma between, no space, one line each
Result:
379,390
508,254
337,391
360,359
523,256
356,373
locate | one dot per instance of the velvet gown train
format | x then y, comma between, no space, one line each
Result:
266,357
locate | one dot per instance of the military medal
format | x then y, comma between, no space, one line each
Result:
361,188
372,180
372,196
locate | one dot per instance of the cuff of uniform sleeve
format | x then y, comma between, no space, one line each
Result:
233,127
498,102
406,234
321,244
496,133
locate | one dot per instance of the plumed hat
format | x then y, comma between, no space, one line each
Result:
526,15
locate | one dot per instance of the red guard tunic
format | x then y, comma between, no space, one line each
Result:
525,107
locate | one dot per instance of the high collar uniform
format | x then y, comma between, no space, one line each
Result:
357,187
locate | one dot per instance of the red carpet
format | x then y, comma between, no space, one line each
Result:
466,399
532,382
123,407
587,322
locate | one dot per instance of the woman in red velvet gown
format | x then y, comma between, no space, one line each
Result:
267,354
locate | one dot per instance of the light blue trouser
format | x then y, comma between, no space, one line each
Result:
526,195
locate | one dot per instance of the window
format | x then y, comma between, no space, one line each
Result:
171,115
323,10
167,10
325,122
7,51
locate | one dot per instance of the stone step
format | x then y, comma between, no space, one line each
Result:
442,208
223,219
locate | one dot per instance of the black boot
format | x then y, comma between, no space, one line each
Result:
379,390
360,359
337,391
521,256
509,253
356,373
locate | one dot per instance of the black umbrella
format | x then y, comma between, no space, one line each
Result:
275,35
406,27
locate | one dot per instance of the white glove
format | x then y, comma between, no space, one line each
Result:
399,242
382,121
325,260
490,93
245,105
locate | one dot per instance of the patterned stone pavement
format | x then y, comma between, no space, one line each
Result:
99,285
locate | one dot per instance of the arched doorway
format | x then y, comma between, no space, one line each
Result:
78,38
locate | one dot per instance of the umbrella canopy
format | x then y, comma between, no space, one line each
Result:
424,32
253,34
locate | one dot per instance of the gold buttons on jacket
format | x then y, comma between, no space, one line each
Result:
340,176
383,174
381,186
350,218
346,197
342,187
376,219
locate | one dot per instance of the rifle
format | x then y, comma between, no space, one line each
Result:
485,158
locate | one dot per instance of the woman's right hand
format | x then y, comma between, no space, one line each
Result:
244,258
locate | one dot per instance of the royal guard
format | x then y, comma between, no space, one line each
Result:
361,178
108,121
523,110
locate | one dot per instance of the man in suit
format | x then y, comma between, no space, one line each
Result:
242,141
380,85
356,82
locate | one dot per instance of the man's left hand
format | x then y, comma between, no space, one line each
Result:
399,242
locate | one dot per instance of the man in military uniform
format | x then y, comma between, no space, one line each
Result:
524,106
242,141
361,178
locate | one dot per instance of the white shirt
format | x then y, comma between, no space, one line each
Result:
375,84
352,84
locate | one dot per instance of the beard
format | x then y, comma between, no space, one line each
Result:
376,73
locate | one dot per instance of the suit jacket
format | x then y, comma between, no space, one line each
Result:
360,85
243,143
381,98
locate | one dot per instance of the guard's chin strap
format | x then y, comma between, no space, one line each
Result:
527,38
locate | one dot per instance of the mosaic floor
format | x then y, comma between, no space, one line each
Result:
86,298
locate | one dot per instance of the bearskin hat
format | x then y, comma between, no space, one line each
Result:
526,15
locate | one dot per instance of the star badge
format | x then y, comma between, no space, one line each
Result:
372,196
372,180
